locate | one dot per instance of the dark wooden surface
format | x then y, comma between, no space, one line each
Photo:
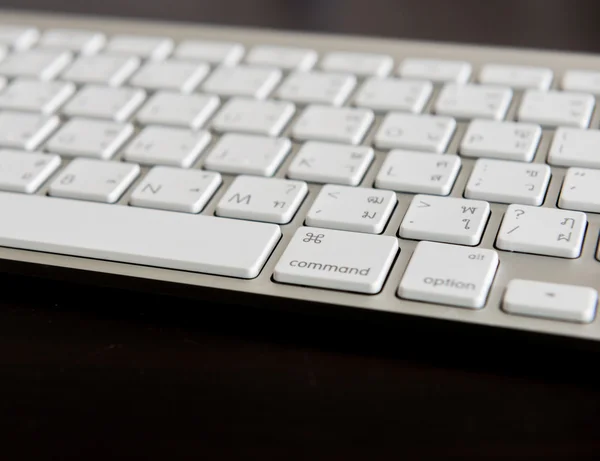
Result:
103,374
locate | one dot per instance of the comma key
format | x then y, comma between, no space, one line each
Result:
449,274
338,260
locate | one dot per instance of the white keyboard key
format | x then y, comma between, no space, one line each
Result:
322,162
176,109
553,301
575,147
38,64
254,82
542,231
75,40
175,189
20,130
90,138
418,172
352,208
170,75
209,51
504,181
430,133
262,199
95,180
473,101
36,96
95,101
517,77
247,154
393,94
283,57
18,37
161,145
585,81
436,70
317,88
334,124
101,70
25,172
137,235
338,260
502,140
581,190
254,116
361,64
556,108
449,274
445,219
155,48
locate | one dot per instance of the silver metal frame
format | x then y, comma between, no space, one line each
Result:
584,270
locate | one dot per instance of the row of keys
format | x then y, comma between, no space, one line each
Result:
463,101
294,58
527,229
437,273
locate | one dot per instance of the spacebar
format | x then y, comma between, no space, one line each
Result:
142,236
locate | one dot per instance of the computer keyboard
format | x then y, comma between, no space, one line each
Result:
429,180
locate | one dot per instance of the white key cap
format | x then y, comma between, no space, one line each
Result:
445,219
90,138
337,260
75,40
361,64
473,101
335,124
247,154
504,181
554,301
95,101
102,70
581,190
155,48
430,133
352,208
212,52
161,145
25,172
25,131
394,94
38,64
322,162
176,109
262,199
36,96
170,75
449,274
254,116
95,180
502,140
283,57
436,70
586,81
575,147
517,77
254,82
18,37
317,88
556,108
543,231
175,189
418,172
137,235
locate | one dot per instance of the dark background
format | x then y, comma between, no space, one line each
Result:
89,373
